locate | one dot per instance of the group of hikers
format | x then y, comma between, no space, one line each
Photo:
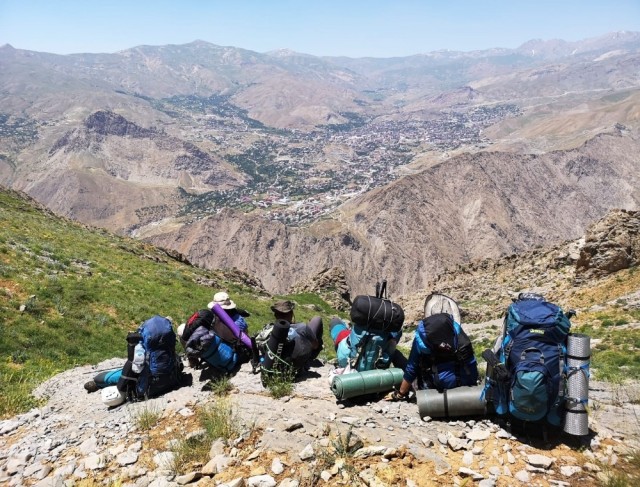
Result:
526,369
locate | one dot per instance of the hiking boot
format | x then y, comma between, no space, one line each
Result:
91,386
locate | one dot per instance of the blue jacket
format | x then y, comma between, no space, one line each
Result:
238,320
468,373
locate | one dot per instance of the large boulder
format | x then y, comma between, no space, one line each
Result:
611,244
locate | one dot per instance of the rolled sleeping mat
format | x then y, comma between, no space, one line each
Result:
108,378
377,314
229,323
275,344
355,384
576,421
450,403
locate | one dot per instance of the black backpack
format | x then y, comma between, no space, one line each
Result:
446,353
203,317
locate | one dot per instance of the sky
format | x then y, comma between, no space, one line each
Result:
354,28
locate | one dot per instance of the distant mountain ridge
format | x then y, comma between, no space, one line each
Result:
453,156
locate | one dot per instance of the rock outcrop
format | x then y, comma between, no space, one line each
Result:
331,285
611,244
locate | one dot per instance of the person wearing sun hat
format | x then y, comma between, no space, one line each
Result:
307,338
226,303
209,344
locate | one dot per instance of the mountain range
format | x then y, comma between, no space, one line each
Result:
283,164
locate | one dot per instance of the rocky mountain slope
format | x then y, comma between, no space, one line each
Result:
463,209
307,438
292,442
131,141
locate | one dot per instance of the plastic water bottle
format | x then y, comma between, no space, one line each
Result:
138,359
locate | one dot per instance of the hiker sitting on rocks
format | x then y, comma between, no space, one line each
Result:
152,367
210,343
441,358
306,338
238,315
206,317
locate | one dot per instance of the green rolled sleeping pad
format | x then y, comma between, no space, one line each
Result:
356,384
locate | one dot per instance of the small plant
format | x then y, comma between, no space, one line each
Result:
33,307
146,416
338,454
219,421
617,480
279,384
343,445
193,449
220,386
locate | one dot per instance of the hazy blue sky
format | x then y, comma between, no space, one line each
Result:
322,27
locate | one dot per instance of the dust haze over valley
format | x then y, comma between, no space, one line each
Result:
284,164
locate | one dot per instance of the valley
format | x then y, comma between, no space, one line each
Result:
284,165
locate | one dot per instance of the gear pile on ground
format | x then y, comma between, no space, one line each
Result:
293,441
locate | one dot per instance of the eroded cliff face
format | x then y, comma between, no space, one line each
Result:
611,244
465,209
111,172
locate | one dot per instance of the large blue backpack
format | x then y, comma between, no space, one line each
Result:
533,352
161,370
375,321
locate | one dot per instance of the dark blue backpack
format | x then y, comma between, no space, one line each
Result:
446,354
161,370
533,352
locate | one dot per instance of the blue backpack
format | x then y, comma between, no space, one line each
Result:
369,350
161,370
446,354
527,381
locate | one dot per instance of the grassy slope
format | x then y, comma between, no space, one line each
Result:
69,295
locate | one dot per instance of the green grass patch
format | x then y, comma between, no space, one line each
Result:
220,386
146,415
218,420
69,295
615,352
279,384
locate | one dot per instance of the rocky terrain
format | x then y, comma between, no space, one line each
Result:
309,438
500,151
561,273
484,205
74,439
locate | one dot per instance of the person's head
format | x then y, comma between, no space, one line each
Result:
223,300
283,310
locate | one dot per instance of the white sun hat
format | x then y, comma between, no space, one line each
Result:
223,300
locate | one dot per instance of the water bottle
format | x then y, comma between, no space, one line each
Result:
138,359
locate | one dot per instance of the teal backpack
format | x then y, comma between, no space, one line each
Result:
527,380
